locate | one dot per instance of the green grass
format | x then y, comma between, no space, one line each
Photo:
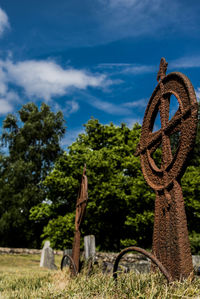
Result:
21,277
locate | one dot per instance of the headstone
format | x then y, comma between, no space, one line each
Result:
196,263
89,246
67,251
46,245
66,261
47,257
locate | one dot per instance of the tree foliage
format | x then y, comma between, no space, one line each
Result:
191,193
120,210
120,205
33,143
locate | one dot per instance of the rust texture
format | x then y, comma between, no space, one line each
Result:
80,212
71,262
170,236
147,254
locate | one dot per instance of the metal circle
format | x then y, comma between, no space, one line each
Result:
71,264
184,121
147,254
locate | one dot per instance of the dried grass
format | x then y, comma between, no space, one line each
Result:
21,277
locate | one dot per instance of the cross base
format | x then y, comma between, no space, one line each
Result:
170,236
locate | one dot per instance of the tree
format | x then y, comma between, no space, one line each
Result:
33,147
118,194
191,193
120,210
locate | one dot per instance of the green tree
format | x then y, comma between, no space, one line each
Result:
191,193
33,142
120,209
118,194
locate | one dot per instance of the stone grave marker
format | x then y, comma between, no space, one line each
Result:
67,252
89,246
47,257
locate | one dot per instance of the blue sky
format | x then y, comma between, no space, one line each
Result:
94,57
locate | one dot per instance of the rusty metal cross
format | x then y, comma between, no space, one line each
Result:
81,200
170,237
171,249
80,212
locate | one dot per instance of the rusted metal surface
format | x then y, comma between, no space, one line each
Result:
80,212
147,254
64,261
170,237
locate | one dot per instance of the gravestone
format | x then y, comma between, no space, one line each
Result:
67,252
89,246
196,263
171,247
47,257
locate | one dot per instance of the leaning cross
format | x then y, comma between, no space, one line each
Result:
80,212
170,236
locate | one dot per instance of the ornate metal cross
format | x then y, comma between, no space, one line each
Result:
170,237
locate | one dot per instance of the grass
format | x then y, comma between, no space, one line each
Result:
21,277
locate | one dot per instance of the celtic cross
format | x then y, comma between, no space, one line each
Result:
170,237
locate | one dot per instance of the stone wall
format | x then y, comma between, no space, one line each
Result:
6,250
106,259
138,262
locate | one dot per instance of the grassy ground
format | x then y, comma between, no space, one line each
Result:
21,277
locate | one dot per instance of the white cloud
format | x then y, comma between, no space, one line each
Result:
113,65
71,136
127,68
126,18
4,23
140,103
125,108
8,97
185,62
197,91
131,121
3,84
108,107
126,3
46,79
71,107
5,107
138,69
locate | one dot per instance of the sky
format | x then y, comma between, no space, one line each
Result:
94,58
